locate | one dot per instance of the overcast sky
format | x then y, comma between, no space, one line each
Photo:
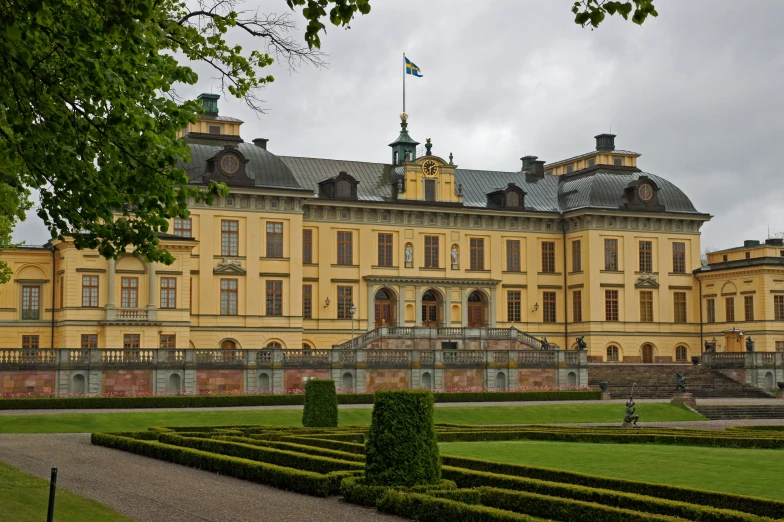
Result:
696,91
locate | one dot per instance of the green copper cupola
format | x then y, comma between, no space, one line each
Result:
404,148
210,102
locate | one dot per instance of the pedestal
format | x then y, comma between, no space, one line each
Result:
780,394
605,396
684,398
627,425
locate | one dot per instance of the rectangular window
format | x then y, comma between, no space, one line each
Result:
345,248
31,303
307,301
131,342
345,300
129,293
577,257
214,129
646,256
183,227
385,249
548,310
430,190
513,309
30,342
679,258
513,255
168,341
548,257
228,296
611,254
230,238
89,291
307,246
646,306
431,251
477,253
89,341
729,305
168,292
275,298
274,239
710,310
679,301
748,307
611,305
618,162
778,307
577,306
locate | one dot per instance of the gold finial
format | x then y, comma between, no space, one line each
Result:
403,117
428,140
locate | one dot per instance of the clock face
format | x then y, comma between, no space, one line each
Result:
645,192
430,168
229,164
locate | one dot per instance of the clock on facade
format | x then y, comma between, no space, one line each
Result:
229,164
430,168
645,192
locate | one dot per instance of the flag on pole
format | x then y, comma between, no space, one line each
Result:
412,69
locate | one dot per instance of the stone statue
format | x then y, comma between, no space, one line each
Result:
409,255
545,344
710,347
454,255
630,417
581,344
680,387
749,344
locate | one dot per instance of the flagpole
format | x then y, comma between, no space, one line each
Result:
404,82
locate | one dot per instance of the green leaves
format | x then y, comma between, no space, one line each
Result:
341,14
592,12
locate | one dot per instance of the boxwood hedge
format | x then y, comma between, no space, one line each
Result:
321,404
426,508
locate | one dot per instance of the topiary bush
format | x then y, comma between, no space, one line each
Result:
321,404
401,449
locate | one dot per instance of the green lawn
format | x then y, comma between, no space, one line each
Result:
135,421
742,471
25,498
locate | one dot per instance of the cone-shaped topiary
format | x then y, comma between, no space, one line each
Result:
401,449
321,404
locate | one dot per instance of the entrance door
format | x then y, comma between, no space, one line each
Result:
429,309
383,314
474,315
647,353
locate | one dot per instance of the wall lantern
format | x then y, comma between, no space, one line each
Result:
326,302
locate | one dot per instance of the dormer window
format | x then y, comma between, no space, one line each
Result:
510,198
344,189
341,186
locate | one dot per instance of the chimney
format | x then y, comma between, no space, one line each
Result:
528,162
605,142
538,169
751,243
261,143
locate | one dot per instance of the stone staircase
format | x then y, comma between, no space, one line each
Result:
657,381
748,411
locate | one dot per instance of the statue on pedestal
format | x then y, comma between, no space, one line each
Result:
710,347
545,344
409,256
454,257
749,344
680,387
581,344
630,417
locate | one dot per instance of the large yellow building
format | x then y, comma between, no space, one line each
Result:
587,247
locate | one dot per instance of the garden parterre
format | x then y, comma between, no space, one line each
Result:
330,461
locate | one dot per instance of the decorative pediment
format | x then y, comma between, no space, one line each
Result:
642,194
647,281
343,186
229,265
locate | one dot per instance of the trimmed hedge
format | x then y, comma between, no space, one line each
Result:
746,504
321,404
425,508
285,478
288,459
401,448
301,448
216,401
349,447
466,496
357,491
563,509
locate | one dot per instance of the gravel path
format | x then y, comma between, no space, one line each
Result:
147,489
706,402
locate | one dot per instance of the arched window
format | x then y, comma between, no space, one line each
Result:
344,188
512,199
382,295
228,344
305,346
681,353
613,354
274,345
475,297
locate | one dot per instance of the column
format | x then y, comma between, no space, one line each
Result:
448,307
371,308
110,282
401,305
418,306
491,311
151,289
464,307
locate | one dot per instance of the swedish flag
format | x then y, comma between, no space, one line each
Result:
411,68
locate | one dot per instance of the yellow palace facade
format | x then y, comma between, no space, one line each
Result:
304,252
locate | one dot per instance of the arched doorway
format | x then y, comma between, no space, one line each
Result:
348,382
571,379
768,380
427,381
476,310
274,345
500,381
385,308
431,309
264,381
173,384
647,353
228,344
78,384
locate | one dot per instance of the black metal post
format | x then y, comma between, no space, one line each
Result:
52,490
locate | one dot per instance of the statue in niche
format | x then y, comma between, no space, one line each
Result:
454,257
581,344
409,256
680,386
630,417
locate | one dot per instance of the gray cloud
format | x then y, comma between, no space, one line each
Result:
696,91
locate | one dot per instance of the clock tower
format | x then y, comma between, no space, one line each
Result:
429,179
